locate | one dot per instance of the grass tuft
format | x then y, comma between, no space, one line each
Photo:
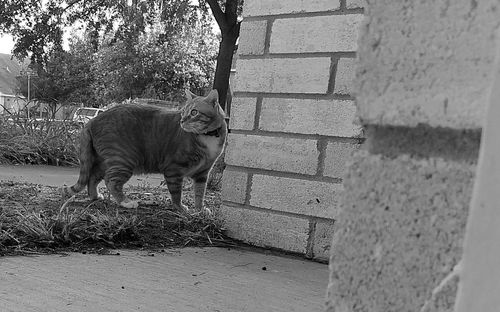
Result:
33,218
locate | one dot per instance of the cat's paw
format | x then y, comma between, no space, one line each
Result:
99,196
205,211
129,204
65,192
181,207
202,211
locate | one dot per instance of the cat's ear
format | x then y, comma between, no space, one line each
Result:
213,97
190,95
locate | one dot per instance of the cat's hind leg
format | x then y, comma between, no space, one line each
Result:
116,176
174,185
95,178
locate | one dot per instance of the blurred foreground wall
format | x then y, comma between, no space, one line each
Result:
423,78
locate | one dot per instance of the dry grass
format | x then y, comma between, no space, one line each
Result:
33,218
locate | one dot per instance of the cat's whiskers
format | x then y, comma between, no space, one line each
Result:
190,129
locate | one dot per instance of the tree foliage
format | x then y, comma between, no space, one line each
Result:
123,41
154,67
129,48
38,26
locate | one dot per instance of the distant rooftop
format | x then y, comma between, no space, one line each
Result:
9,69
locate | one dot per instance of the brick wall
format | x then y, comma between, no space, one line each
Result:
292,123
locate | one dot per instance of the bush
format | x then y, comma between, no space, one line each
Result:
38,141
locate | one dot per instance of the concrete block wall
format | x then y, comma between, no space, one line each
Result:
293,123
424,70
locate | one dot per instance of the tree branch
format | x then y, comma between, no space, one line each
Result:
70,4
218,14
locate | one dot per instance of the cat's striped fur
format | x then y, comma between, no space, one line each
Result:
134,139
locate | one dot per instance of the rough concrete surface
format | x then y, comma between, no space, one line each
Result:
252,37
322,240
337,154
304,197
399,233
264,228
345,74
190,279
332,33
426,62
354,4
266,7
242,113
283,75
308,116
273,153
234,186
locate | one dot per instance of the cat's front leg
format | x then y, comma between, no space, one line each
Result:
174,185
200,185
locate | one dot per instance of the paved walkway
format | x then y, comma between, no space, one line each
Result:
189,279
58,176
209,279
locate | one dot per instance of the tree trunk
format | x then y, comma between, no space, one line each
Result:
230,30
224,61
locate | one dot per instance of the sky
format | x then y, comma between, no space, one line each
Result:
6,44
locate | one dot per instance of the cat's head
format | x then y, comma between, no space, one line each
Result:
202,114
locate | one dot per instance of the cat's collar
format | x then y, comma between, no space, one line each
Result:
215,133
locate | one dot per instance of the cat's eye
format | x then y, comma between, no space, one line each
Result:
194,112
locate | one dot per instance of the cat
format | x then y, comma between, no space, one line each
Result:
134,139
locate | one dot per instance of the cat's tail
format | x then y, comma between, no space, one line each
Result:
86,163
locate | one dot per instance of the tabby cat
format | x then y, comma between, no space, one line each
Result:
133,139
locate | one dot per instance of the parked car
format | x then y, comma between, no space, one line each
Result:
84,114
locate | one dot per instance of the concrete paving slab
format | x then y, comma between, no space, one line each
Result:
190,279
58,176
